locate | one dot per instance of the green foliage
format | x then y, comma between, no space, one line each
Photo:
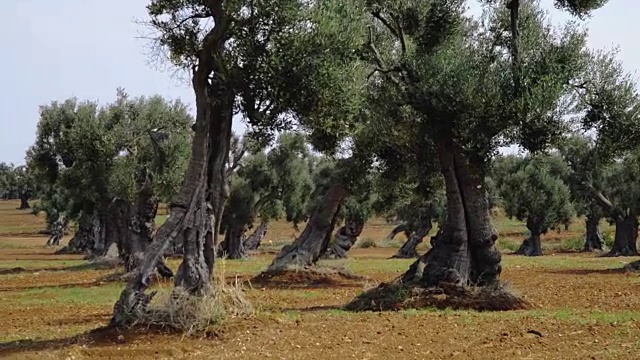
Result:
536,194
273,184
285,62
623,185
84,156
16,182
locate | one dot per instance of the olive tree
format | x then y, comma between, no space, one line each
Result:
534,192
475,84
267,186
105,168
274,63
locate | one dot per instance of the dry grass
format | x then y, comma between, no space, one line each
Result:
179,310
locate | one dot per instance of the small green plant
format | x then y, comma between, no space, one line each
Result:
508,244
367,243
572,244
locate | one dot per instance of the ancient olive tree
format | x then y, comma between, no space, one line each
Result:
17,182
578,152
274,63
475,84
267,186
534,192
354,211
622,188
102,167
609,108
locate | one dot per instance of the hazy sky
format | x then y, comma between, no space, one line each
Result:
52,50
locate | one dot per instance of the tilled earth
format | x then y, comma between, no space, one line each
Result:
584,308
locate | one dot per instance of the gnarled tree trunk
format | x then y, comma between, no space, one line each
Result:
57,232
315,238
395,231
408,249
531,246
140,229
196,208
84,238
254,240
594,240
344,239
626,236
465,252
24,201
234,240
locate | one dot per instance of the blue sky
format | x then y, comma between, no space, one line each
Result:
52,50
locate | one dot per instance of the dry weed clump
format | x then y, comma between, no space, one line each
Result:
192,314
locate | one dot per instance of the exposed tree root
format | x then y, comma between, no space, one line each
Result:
313,276
398,296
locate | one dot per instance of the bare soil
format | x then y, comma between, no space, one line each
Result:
583,307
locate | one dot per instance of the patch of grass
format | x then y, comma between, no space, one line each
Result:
572,244
60,296
308,294
508,244
40,264
560,262
365,266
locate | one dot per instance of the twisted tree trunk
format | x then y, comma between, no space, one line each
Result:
531,246
465,252
84,239
196,208
408,249
57,231
254,240
395,231
24,201
140,229
594,240
626,236
344,239
234,240
315,238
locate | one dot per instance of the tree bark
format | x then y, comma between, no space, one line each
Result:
465,252
315,238
626,236
83,239
531,246
594,241
57,232
140,229
408,249
344,239
24,201
395,231
234,240
193,212
254,240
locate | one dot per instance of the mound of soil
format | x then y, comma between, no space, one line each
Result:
398,296
306,278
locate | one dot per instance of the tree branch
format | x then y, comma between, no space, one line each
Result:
381,67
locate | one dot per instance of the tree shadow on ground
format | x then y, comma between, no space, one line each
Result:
306,279
99,337
616,271
81,267
313,309
90,284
